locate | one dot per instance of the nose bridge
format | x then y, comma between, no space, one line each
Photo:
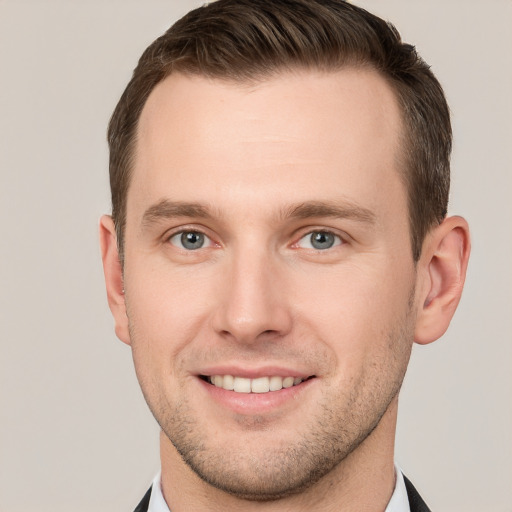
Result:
253,300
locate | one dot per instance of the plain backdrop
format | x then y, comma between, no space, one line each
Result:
75,433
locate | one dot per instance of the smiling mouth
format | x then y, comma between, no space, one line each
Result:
258,385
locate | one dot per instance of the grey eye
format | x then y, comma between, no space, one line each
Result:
322,240
189,240
319,240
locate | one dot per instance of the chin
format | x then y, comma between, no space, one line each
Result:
255,469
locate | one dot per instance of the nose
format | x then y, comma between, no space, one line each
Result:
252,303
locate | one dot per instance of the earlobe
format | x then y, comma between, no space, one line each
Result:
113,277
442,269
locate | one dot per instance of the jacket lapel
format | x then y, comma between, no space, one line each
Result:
415,501
144,503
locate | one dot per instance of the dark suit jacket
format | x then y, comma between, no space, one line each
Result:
415,501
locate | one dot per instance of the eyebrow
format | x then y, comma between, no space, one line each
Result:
166,209
342,210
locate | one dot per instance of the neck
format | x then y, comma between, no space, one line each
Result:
363,482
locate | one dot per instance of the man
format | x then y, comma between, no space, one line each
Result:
278,241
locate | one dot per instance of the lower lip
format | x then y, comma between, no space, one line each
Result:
256,403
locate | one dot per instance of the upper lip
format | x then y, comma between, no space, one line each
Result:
254,372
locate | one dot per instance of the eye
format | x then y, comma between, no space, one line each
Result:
319,240
190,240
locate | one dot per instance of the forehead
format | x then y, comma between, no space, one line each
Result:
304,133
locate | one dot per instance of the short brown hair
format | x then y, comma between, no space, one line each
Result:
250,40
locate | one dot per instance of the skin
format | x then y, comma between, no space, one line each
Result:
257,169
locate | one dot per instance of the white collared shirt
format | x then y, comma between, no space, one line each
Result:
157,502
399,501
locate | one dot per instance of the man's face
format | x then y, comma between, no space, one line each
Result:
267,243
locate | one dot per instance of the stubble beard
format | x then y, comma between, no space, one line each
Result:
271,473
341,423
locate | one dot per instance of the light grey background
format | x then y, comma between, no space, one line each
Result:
75,433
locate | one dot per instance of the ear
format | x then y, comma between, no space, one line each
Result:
442,272
113,277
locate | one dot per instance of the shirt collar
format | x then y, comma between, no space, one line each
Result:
399,501
157,502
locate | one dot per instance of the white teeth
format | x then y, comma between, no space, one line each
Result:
242,385
259,385
228,382
276,383
288,382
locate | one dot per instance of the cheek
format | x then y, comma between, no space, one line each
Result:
355,310
166,311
